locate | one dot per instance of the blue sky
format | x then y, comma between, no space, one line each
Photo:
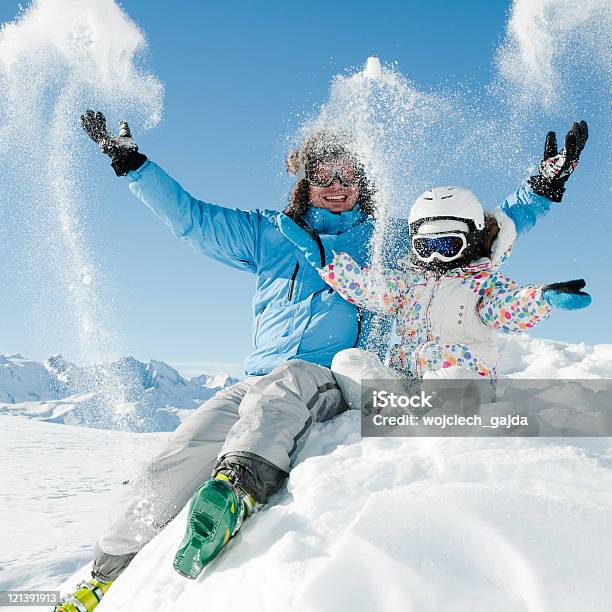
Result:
238,76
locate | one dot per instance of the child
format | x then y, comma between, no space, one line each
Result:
447,296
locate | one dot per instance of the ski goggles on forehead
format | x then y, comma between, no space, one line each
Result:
444,247
323,172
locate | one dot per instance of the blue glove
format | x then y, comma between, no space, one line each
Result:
567,295
305,239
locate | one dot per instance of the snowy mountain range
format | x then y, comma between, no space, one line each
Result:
124,394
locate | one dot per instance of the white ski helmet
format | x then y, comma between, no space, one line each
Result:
447,203
446,227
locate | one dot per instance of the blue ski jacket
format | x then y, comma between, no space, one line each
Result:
296,315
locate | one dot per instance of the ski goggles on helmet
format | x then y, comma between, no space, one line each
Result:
323,172
444,247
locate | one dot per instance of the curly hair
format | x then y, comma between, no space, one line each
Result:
320,144
491,230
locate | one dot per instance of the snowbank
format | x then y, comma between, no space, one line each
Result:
425,524
416,524
440,524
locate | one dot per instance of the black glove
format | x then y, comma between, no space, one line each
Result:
122,149
556,167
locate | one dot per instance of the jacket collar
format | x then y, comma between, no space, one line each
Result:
327,222
478,265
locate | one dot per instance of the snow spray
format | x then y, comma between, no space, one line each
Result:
551,46
58,58
383,117
409,140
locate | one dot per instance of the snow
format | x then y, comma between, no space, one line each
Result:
57,483
525,357
373,68
580,30
431,524
451,524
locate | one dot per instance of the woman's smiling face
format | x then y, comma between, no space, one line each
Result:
336,198
333,184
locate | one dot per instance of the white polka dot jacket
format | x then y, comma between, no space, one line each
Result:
448,320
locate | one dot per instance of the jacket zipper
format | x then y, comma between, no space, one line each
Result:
315,235
431,298
427,319
292,283
319,242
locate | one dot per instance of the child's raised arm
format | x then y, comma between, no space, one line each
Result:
512,308
526,206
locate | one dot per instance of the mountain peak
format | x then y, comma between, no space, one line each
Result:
213,381
160,369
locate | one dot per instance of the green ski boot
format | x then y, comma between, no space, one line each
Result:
216,513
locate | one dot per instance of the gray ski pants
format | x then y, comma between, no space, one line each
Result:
254,429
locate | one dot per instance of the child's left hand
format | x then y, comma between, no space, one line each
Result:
567,295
